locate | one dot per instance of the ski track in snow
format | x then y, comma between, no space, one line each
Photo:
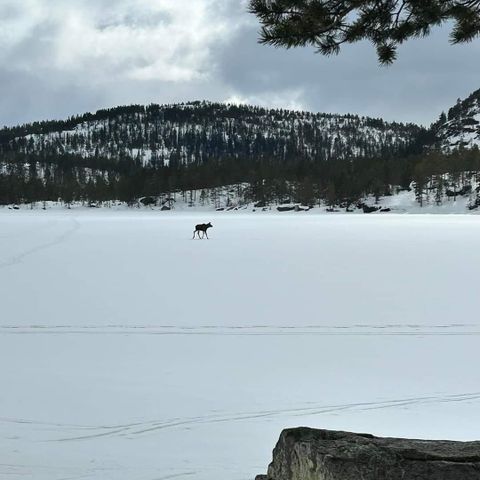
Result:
16,259
454,329
175,475
73,473
59,473
72,432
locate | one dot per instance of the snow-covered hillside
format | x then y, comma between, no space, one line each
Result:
199,148
461,128
200,131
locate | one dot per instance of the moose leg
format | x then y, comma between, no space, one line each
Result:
206,234
194,232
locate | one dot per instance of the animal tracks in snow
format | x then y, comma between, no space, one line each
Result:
18,258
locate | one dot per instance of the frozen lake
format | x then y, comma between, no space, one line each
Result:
130,352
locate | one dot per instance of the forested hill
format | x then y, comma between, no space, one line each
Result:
129,152
199,132
460,127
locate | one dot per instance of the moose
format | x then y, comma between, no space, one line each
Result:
202,227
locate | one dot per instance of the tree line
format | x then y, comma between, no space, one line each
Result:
32,178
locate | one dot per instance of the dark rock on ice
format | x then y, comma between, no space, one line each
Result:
309,454
369,209
148,201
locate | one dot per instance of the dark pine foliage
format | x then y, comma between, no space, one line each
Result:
328,24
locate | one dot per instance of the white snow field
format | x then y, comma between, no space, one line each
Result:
129,351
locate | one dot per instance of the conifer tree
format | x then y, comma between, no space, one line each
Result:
328,24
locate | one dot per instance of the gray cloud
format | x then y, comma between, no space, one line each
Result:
60,58
428,77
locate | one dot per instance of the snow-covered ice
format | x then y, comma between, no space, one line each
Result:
129,351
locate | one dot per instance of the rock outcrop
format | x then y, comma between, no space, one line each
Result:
308,454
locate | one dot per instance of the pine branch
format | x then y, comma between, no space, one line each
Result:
328,24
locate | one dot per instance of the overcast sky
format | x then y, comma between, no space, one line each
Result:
63,57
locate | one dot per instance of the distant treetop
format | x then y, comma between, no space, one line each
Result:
328,24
